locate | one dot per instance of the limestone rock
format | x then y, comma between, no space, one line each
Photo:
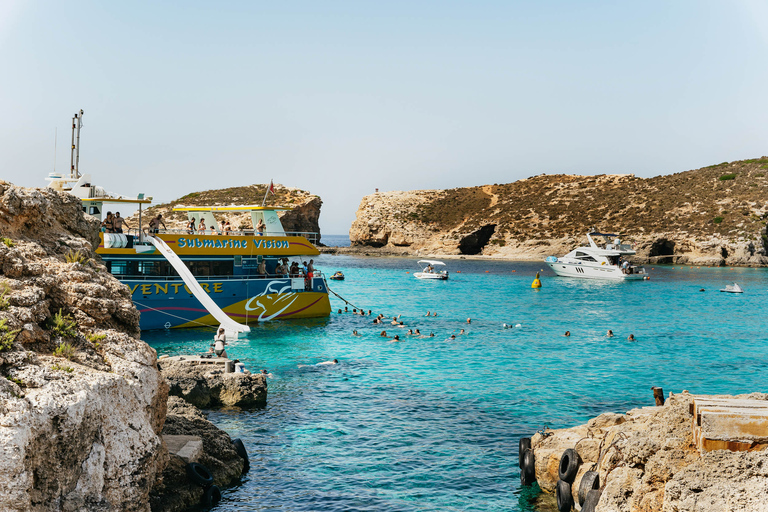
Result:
203,387
80,431
647,462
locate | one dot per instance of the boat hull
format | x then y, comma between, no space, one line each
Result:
593,272
431,275
168,303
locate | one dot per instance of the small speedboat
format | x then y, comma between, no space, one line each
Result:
732,288
337,276
428,270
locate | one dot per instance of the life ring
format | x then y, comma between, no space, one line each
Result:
528,468
590,481
569,465
242,452
525,444
590,503
564,496
212,496
199,474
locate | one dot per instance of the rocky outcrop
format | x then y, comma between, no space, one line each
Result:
646,461
175,492
83,402
303,215
711,216
208,385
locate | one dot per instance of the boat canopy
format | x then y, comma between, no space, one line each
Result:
430,262
595,233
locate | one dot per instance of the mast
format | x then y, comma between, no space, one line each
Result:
76,148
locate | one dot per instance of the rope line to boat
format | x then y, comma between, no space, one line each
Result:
172,315
339,296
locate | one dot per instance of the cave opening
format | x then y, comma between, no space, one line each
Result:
661,248
474,242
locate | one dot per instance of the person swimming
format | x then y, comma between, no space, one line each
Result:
355,333
428,314
335,361
462,331
631,337
469,320
453,336
410,332
609,334
567,333
396,338
384,334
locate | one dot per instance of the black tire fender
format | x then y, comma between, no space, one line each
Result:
590,503
525,443
242,452
212,496
199,474
564,496
569,465
590,481
528,471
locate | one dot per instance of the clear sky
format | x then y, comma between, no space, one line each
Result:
340,98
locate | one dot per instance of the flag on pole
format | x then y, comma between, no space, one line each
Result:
271,189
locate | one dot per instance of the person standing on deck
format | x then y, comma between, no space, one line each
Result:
118,223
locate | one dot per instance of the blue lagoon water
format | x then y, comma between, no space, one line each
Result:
433,423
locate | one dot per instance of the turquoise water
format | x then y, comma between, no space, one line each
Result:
433,423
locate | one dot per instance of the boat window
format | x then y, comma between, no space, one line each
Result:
238,260
580,254
584,257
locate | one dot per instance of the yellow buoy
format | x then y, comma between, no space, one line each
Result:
536,282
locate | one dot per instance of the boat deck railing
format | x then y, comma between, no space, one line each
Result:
312,237
317,274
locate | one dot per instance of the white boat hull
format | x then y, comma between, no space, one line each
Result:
583,271
431,275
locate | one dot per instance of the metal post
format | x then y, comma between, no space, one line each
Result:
72,151
77,158
141,231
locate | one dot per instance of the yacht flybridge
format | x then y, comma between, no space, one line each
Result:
599,262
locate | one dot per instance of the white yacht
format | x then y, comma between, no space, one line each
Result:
596,262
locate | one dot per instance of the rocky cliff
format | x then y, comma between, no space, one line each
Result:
83,402
302,217
710,216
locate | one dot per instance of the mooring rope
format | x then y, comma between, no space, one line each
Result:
339,296
174,316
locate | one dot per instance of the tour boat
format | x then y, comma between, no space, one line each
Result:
428,270
596,262
179,278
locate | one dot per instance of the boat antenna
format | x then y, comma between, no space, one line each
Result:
74,157
55,143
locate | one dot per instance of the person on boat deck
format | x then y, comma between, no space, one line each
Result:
311,268
109,223
227,228
201,227
191,226
262,268
304,265
154,224
260,227
222,226
219,342
294,269
118,223
213,229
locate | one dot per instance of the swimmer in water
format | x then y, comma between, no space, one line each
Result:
376,321
384,334
266,374
410,332
453,336
431,335
434,314
339,311
506,326
610,334
428,314
469,320
631,337
396,338
346,310
355,333
416,332
461,331
335,361
567,333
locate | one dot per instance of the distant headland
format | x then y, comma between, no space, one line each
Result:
715,215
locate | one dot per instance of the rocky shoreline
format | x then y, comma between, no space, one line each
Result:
84,407
648,460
